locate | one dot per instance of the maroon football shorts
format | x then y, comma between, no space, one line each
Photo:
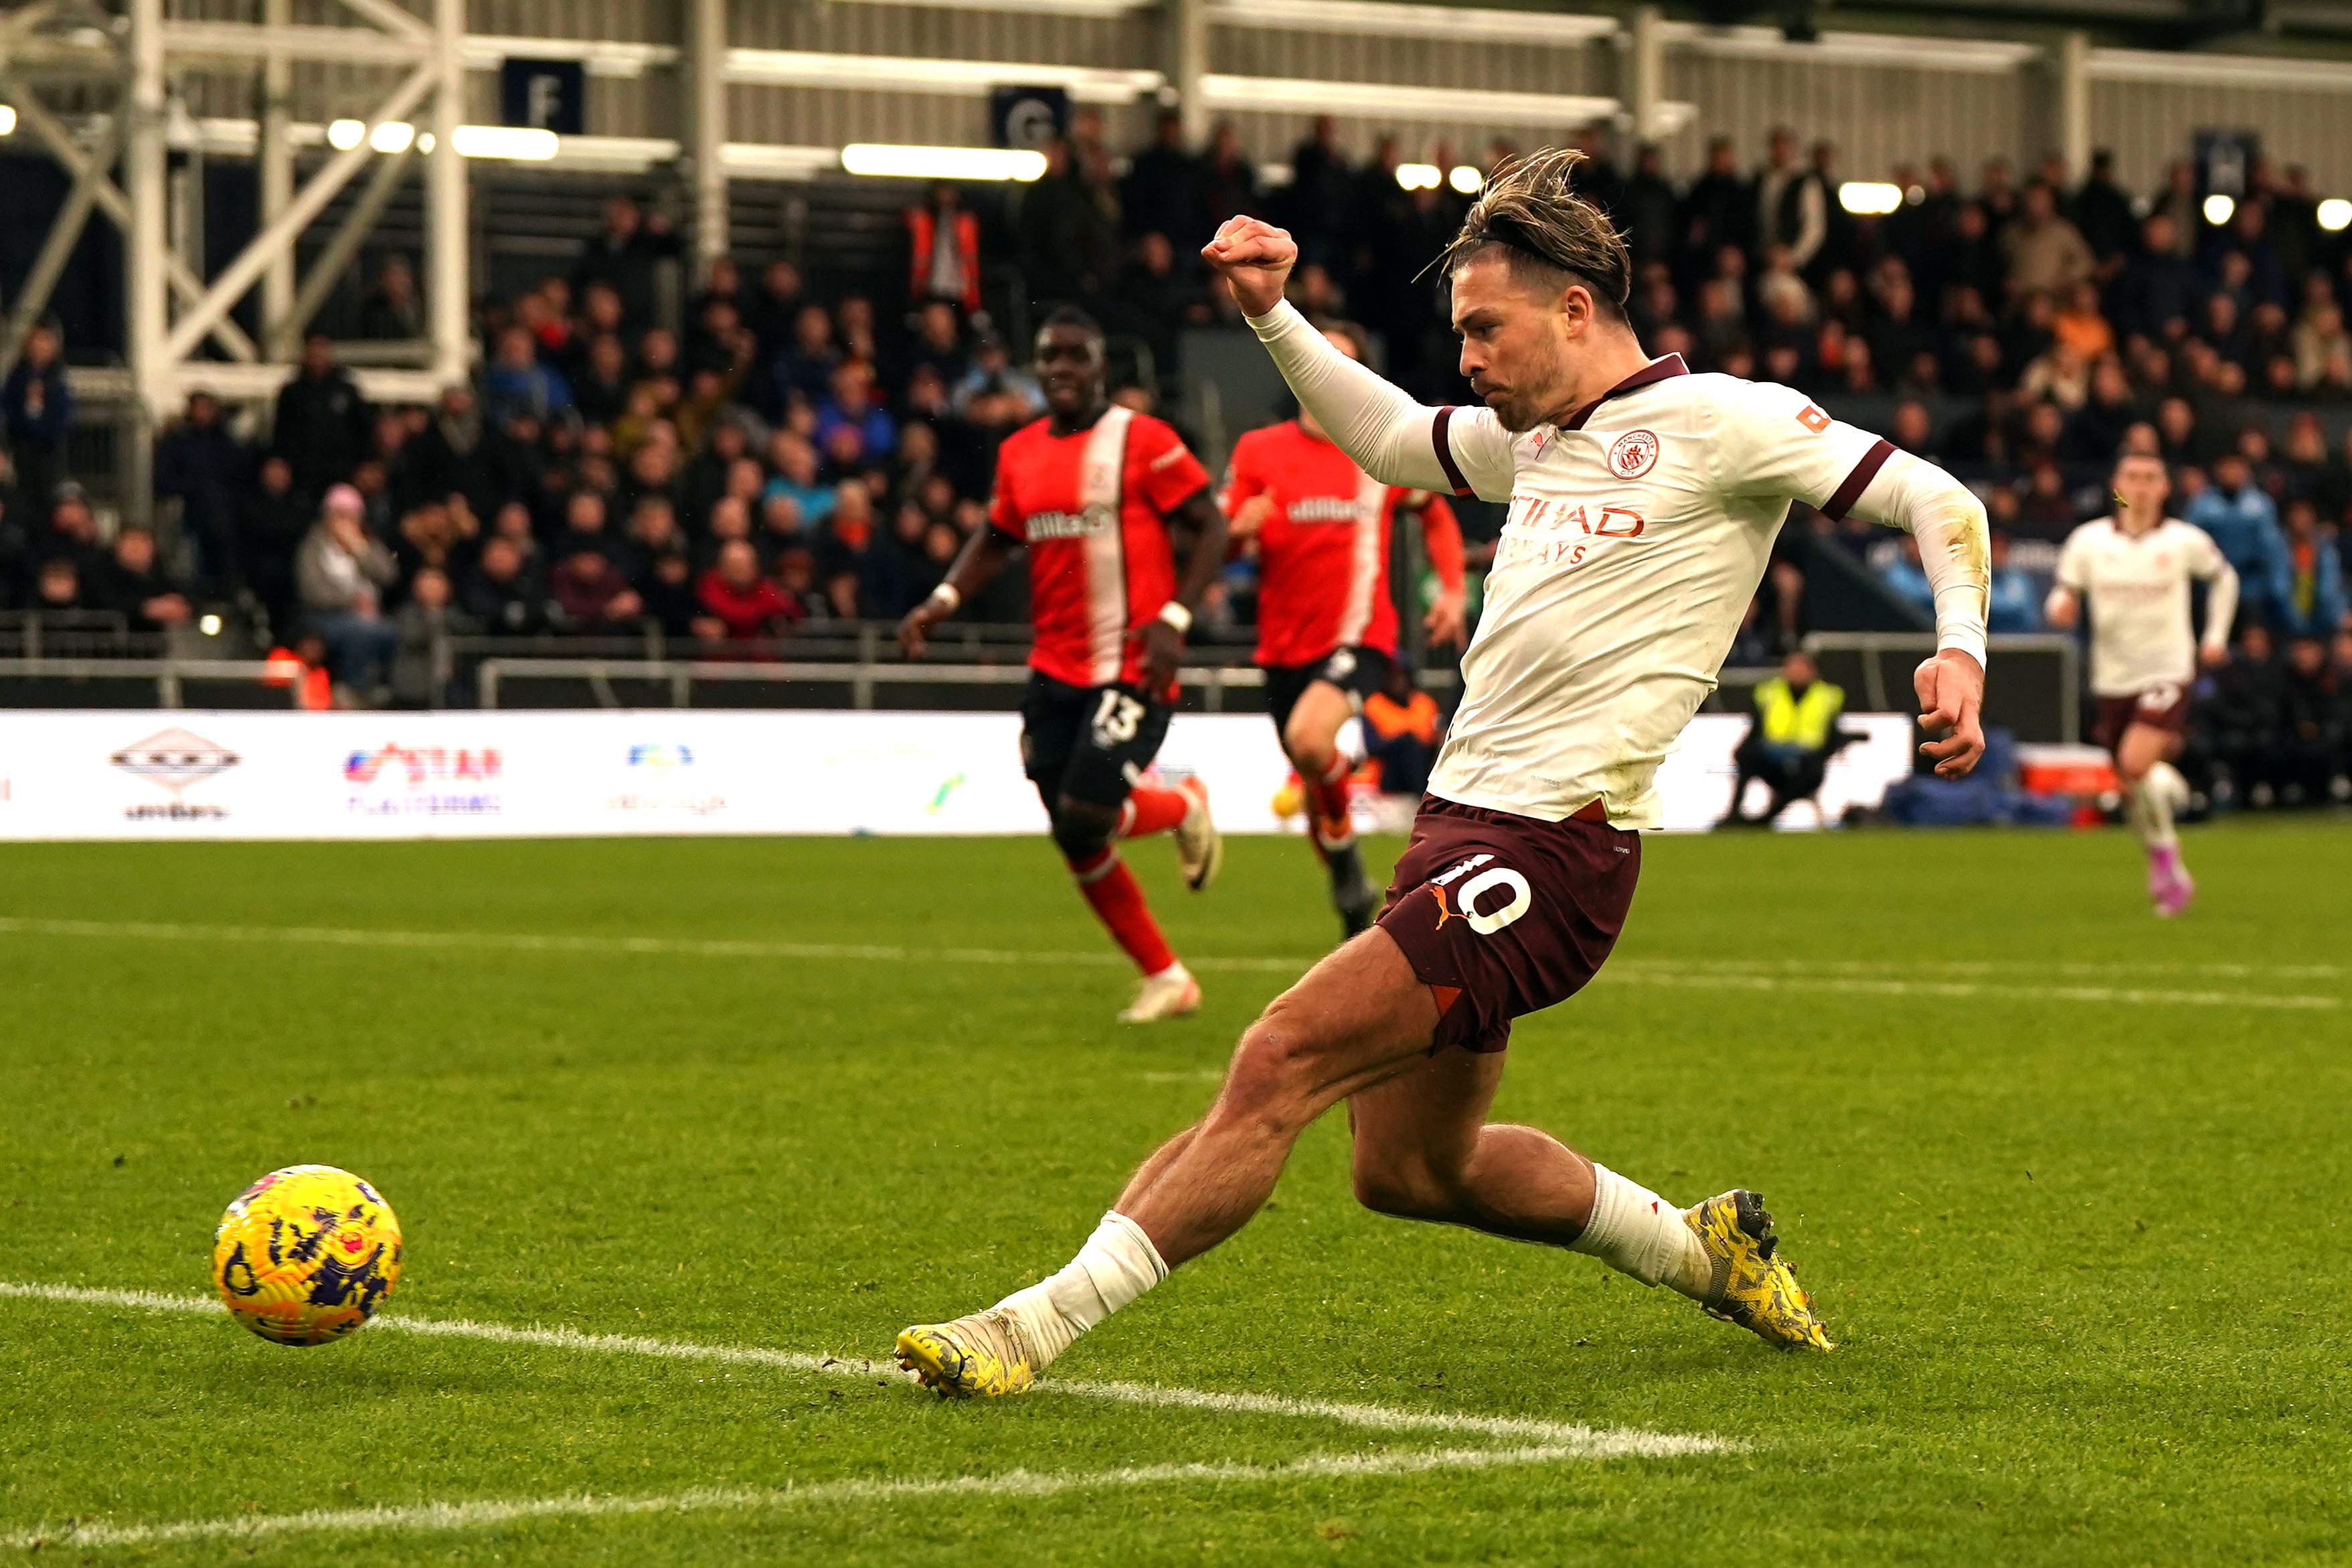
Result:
1501,915
2163,706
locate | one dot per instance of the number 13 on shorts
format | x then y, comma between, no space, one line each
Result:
1115,720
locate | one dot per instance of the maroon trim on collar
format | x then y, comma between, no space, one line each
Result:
1657,369
1858,480
1445,450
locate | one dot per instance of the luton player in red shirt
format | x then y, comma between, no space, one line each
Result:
1095,492
1327,627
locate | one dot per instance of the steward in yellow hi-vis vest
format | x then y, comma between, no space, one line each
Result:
1790,742
1799,716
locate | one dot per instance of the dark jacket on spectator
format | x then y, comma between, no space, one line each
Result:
506,607
321,429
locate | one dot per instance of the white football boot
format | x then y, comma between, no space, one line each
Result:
1171,993
1199,849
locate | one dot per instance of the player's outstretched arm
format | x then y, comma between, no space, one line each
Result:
976,566
1372,420
1955,550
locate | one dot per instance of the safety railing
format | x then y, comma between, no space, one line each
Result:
863,679
235,682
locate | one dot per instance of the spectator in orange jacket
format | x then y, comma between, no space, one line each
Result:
943,244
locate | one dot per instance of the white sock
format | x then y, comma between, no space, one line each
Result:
1118,1264
1636,1231
2148,805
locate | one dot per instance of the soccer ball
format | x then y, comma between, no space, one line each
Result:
305,1255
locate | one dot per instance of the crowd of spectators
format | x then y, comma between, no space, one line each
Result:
784,456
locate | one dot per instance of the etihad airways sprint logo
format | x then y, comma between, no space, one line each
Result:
1464,906
174,761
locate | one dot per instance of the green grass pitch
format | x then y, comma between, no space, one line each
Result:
2068,1182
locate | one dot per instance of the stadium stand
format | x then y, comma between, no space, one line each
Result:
766,457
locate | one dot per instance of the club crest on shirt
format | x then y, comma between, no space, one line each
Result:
1633,455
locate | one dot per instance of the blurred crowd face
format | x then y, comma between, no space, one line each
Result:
739,564
500,561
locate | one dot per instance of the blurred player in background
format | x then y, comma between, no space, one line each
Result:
2135,567
1094,491
1327,627
1644,503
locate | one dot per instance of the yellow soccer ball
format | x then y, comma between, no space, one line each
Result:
305,1255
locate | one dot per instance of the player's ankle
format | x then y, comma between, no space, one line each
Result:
1636,1232
1118,1264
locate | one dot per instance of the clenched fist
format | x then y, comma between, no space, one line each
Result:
1254,258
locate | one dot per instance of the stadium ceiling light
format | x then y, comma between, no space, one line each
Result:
1869,198
392,136
1467,180
342,135
525,142
2335,215
9,120
2219,209
886,161
1418,176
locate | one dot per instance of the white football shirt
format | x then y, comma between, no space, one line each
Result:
2138,591
1639,530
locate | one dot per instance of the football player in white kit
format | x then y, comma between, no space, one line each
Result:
2135,567
1644,503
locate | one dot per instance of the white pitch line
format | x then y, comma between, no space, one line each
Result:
1732,975
2018,966
1595,1442
441,1517
527,942
1640,975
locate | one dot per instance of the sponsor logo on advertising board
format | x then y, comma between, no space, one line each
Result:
669,773
175,761
396,780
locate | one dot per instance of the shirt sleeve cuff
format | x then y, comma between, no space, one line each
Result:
1274,322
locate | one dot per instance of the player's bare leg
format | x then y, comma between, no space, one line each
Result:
1357,1020
1424,1150
1085,834
1310,737
2144,765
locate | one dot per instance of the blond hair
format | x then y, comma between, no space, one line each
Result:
1530,210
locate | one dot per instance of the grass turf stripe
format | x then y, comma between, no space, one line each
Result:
1848,979
441,1517
1574,1437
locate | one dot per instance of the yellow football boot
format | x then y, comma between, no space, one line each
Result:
980,1355
1754,1286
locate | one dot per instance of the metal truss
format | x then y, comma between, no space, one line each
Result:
172,312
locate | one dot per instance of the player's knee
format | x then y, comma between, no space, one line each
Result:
1309,751
1275,1073
1081,830
1405,1193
